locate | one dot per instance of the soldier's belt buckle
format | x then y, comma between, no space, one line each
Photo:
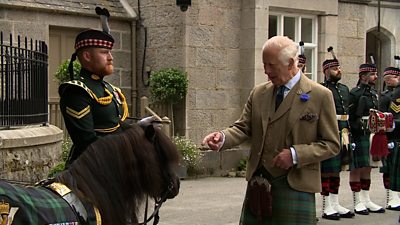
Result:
342,117
61,189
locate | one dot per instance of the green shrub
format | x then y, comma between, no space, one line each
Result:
62,74
168,85
242,164
65,146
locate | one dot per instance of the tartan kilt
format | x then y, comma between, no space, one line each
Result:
36,205
394,171
332,165
360,155
387,162
289,207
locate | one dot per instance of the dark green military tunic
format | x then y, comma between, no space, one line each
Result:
393,160
340,94
384,104
362,99
91,108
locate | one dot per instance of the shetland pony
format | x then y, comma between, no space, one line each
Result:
107,183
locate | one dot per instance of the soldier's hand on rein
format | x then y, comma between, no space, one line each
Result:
283,160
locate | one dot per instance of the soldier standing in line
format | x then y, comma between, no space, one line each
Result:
363,97
331,168
388,103
92,107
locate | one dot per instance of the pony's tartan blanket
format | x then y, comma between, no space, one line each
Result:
36,205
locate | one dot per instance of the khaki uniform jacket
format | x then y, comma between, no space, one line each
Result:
310,126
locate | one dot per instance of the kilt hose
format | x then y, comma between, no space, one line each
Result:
394,169
360,155
289,207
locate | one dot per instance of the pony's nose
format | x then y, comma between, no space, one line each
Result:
173,189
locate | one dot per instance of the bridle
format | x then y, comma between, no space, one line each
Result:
157,206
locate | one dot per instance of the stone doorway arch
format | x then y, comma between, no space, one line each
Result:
381,45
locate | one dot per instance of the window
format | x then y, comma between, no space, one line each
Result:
298,28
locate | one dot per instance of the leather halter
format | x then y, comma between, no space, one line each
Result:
157,206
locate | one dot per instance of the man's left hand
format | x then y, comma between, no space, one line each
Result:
283,160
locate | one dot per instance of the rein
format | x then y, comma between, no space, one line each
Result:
157,207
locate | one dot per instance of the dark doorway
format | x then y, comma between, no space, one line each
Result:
379,45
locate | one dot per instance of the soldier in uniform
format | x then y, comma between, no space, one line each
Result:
330,168
362,98
91,107
388,103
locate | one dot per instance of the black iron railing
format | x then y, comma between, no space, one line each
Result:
23,82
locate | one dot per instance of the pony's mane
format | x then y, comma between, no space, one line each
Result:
115,172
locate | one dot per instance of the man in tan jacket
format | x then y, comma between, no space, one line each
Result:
292,125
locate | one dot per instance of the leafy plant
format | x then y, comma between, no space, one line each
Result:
168,85
190,153
65,146
62,73
242,164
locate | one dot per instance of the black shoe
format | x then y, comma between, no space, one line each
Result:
362,212
349,214
381,210
393,208
335,216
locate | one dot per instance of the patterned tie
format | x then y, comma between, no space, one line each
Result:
279,96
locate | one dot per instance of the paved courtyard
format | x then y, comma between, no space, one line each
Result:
218,201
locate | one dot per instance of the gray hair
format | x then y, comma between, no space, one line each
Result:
288,48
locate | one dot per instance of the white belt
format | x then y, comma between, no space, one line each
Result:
342,117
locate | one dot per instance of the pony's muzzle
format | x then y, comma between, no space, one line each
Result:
173,187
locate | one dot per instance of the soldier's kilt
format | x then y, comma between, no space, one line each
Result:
394,171
360,155
332,165
289,207
387,162
36,205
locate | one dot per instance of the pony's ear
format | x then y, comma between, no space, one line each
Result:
149,132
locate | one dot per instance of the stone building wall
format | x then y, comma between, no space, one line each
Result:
355,21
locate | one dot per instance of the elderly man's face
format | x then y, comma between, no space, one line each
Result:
277,72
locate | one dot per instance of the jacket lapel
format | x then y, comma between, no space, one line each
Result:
292,103
267,109
298,106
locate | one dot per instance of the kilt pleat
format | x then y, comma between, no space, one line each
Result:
289,207
360,154
387,162
332,165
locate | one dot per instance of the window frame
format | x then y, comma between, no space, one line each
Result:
313,74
